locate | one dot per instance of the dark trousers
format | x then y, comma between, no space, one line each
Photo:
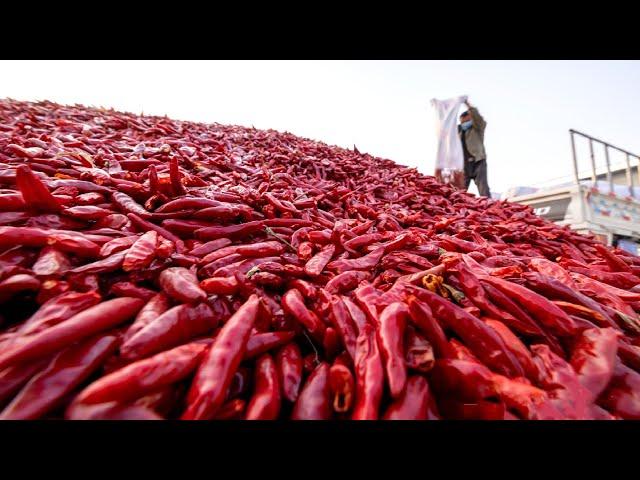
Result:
477,171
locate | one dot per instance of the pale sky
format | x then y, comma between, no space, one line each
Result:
380,106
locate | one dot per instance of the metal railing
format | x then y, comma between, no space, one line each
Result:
607,146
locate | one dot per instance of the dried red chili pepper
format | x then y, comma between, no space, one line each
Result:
265,402
144,376
314,401
214,374
369,376
293,304
289,365
390,336
181,284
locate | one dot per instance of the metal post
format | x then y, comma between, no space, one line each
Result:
629,177
593,162
609,177
575,159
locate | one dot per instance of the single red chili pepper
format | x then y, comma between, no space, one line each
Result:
141,253
415,403
35,194
128,289
594,358
66,371
128,205
117,244
289,365
210,247
363,263
342,387
357,315
173,327
293,304
314,401
264,342
181,284
316,264
216,371
50,289
585,282
345,326
109,264
154,307
86,323
307,289
369,376
220,253
622,280
144,376
390,337
265,402
616,263
553,270
419,355
220,285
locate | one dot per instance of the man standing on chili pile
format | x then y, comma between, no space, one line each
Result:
471,131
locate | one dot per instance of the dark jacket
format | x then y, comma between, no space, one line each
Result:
474,137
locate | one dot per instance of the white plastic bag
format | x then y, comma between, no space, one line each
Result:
449,159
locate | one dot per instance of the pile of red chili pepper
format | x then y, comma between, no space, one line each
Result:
160,269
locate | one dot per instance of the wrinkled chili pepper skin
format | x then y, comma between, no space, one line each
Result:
110,411
88,322
369,376
264,342
415,403
66,371
594,358
390,337
265,402
314,401
289,366
216,371
141,253
181,285
318,262
562,384
344,325
519,350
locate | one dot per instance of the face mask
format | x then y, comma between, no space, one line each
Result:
466,125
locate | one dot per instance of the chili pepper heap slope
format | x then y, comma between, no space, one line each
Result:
223,272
